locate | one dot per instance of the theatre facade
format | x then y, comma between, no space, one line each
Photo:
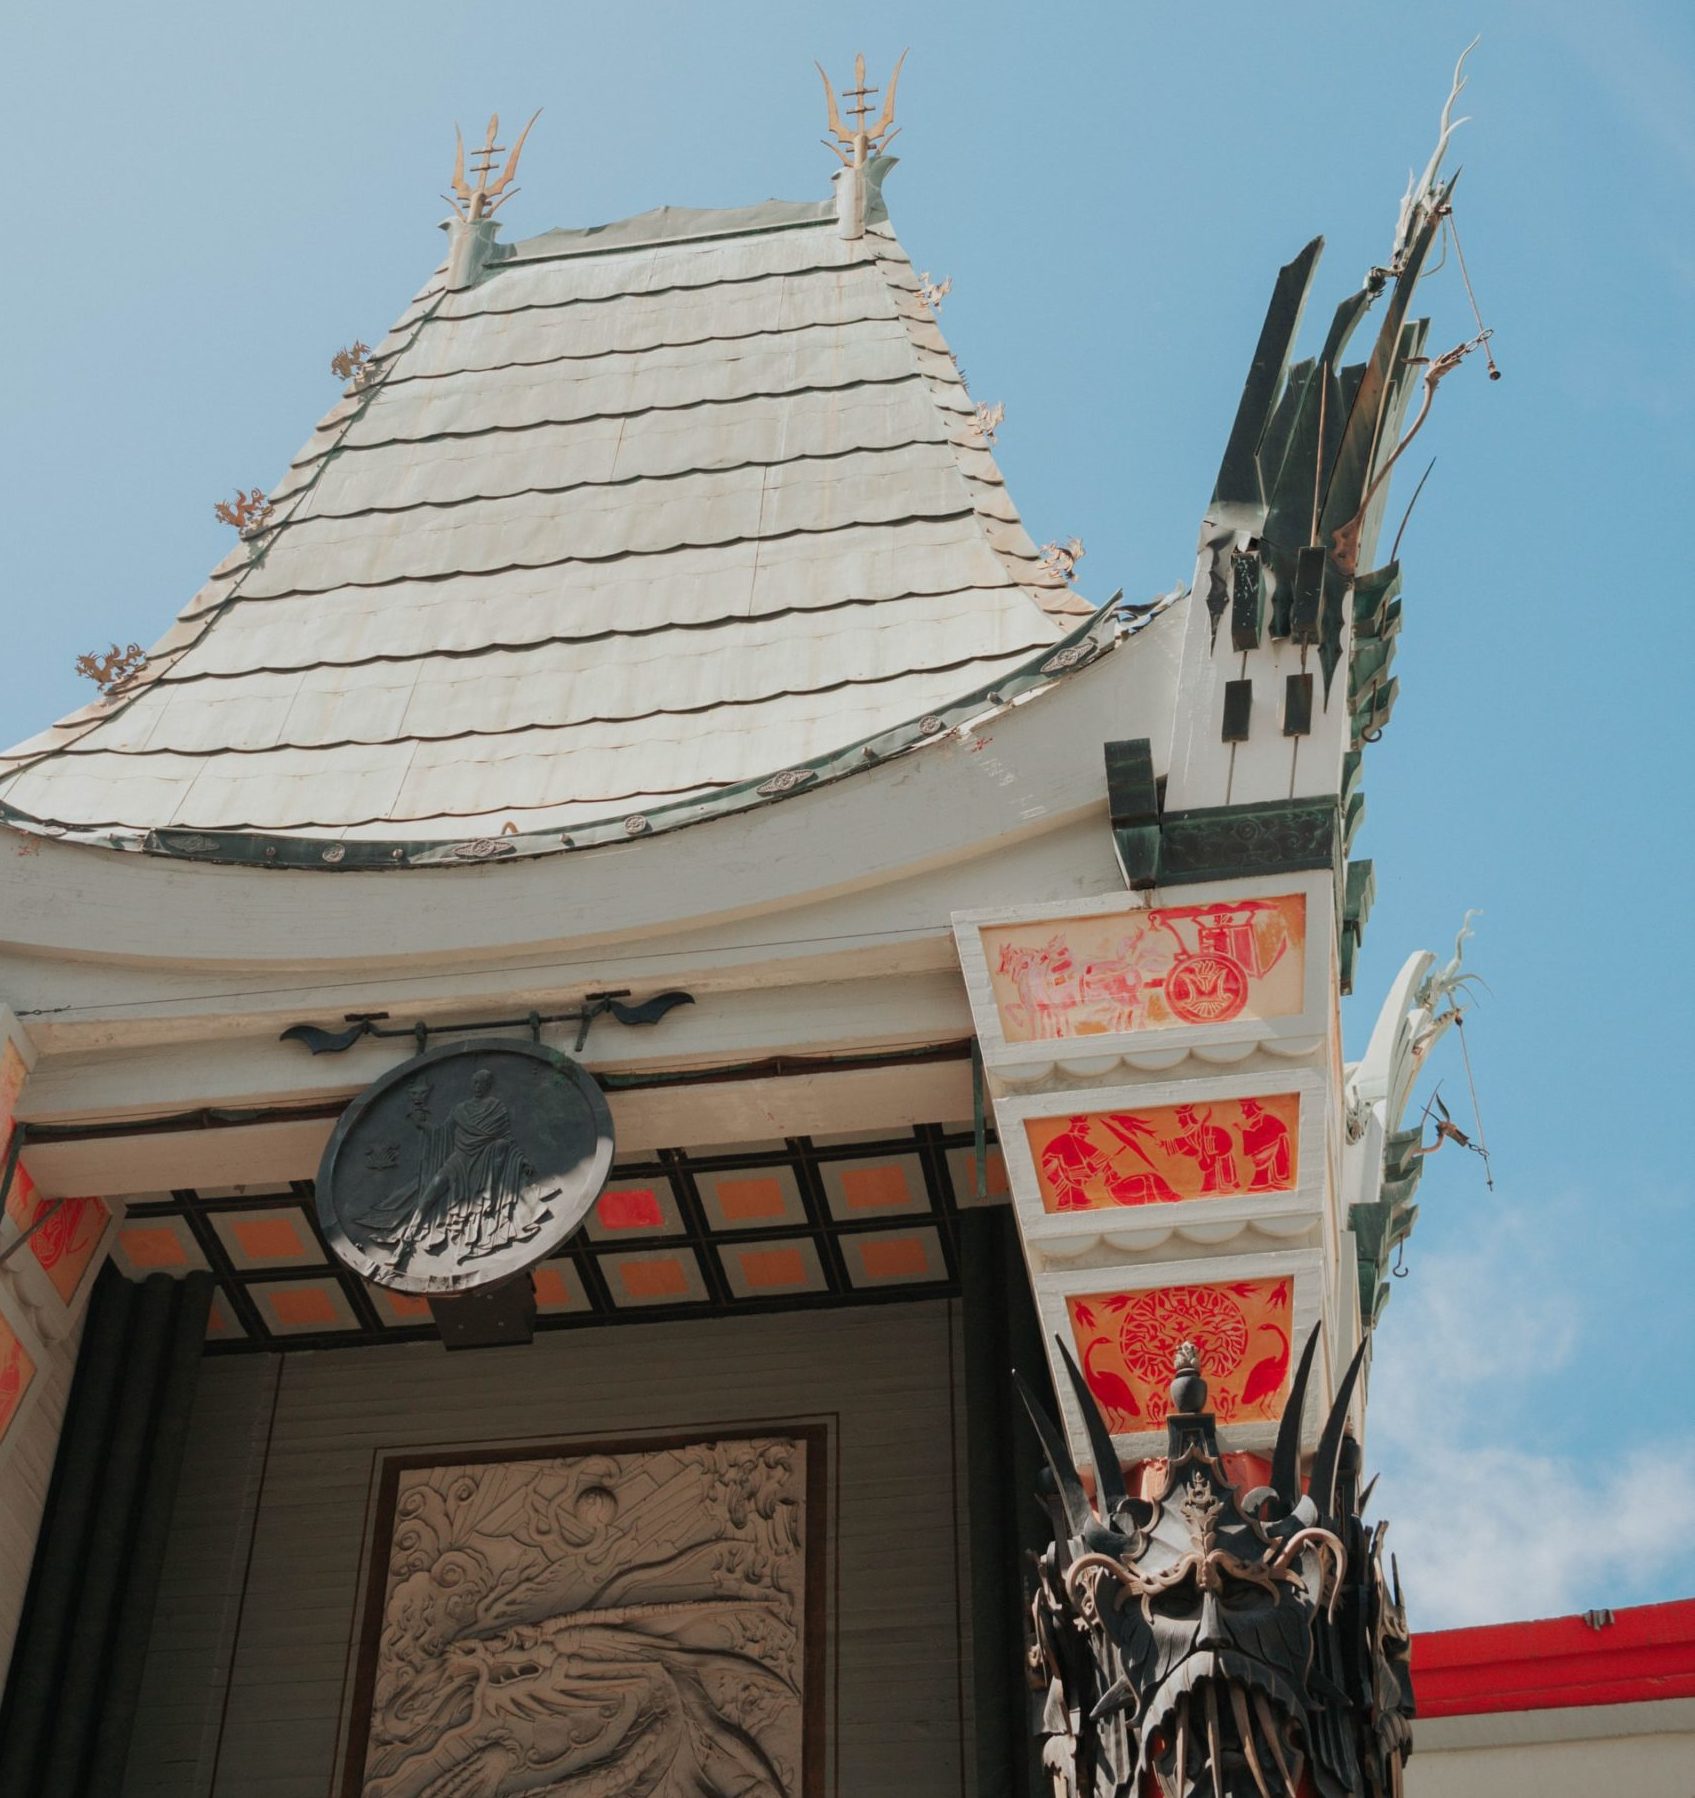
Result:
635,949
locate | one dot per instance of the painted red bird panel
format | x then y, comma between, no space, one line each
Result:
1125,1342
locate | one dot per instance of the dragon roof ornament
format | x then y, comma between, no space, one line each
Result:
1229,1644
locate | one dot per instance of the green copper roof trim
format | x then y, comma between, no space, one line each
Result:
1230,842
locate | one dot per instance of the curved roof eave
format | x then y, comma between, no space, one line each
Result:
1103,633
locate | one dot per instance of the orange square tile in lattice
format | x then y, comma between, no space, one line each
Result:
660,1279
302,1306
271,1239
153,1245
895,1258
553,1289
746,1201
767,1270
1125,1343
629,1208
880,1187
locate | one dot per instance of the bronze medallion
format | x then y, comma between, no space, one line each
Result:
464,1166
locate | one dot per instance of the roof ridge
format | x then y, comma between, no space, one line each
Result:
919,317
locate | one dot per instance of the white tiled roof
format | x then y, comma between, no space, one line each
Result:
647,511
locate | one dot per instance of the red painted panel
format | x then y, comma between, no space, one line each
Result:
1647,1652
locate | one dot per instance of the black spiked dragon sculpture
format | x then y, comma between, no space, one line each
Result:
1215,1644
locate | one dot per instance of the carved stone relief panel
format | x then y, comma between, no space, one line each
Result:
636,1620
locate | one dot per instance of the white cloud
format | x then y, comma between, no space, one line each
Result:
1486,1529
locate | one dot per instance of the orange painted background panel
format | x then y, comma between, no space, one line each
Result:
1095,1160
17,1370
748,1200
1148,970
1125,1342
71,1232
12,1075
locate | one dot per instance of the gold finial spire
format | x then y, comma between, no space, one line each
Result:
473,203
858,146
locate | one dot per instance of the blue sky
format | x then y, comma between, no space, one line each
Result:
207,203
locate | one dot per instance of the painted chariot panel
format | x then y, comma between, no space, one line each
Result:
1148,970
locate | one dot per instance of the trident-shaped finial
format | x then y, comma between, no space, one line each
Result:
858,146
473,203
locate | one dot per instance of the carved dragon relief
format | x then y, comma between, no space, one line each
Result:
605,1625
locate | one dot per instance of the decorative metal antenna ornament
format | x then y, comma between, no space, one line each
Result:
858,146
1232,1645
483,200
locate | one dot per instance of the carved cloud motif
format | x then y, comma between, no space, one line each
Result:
604,1624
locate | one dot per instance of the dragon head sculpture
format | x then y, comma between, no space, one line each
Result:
1209,1643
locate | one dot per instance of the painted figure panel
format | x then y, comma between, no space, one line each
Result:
603,1623
1093,1161
17,1371
1148,970
1126,1341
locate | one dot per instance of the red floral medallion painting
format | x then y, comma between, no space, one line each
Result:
67,1236
1095,1160
1125,1342
1148,970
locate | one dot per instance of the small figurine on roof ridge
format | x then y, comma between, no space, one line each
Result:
1061,559
111,670
248,512
932,293
350,362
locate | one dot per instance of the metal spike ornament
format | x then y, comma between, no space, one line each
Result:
1209,1643
485,199
858,146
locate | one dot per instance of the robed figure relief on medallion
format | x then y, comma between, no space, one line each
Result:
626,1624
464,1166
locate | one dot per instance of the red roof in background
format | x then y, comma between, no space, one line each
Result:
1645,1652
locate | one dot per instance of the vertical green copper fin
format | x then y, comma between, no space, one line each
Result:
1238,474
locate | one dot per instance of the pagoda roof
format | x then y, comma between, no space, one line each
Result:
642,515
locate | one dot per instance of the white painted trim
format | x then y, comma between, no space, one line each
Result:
266,1156
1008,776
1566,1723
